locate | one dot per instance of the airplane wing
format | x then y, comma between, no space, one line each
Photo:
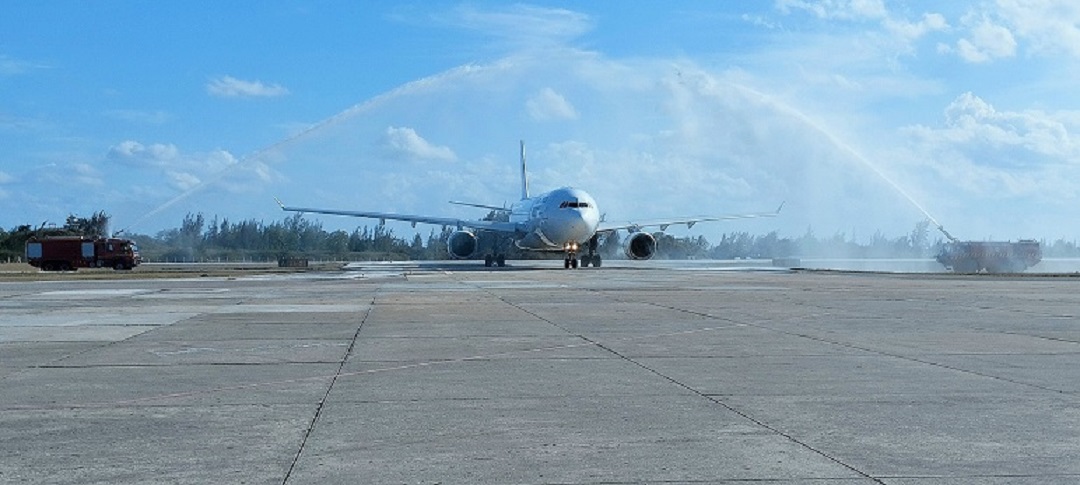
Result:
414,219
689,221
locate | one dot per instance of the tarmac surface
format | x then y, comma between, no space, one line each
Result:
633,373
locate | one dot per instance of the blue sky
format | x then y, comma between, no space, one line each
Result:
858,113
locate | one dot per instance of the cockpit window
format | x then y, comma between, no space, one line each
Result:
573,205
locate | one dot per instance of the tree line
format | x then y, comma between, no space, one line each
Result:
219,239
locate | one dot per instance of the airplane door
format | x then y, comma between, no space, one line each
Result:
538,212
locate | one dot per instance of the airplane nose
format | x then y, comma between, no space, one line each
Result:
570,226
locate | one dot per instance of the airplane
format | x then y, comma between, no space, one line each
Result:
565,219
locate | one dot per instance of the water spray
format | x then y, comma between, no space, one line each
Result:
847,148
408,88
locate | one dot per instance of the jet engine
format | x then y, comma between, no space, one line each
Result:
461,244
640,245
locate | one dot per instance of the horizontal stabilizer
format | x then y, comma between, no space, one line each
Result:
482,206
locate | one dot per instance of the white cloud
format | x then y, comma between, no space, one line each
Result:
858,47
183,181
995,153
87,175
5,178
971,119
524,25
13,67
185,171
1052,26
1000,30
23,125
910,31
986,41
837,9
547,105
136,154
230,87
760,21
405,143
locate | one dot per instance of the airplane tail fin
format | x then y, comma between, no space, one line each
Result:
524,174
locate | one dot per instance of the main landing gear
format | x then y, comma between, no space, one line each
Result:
495,260
496,257
571,260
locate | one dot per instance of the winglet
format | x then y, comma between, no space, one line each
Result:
778,209
279,203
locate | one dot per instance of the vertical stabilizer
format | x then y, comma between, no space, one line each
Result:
524,174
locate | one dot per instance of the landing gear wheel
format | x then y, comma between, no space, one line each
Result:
966,266
500,260
488,260
566,263
573,263
591,257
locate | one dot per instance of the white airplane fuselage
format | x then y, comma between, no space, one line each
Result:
555,221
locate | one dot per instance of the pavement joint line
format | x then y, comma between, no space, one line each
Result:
746,416
917,360
1044,337
827,341
329,389
687,387
717,401
57,362
255,385
852,346
988,475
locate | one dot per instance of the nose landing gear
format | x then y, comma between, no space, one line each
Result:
571,259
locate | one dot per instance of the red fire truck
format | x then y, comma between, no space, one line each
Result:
990,256
69,253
